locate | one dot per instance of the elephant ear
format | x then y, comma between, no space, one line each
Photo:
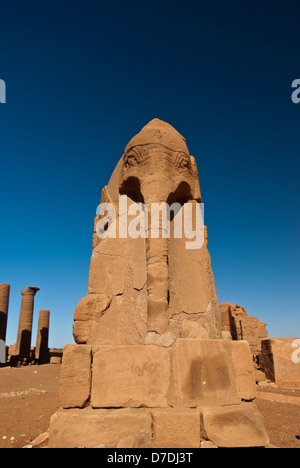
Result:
114,182
109,194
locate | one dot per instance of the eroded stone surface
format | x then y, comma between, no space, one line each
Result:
100,428
176,428
131,376
75,378
202,373
234,426
154,285
244,371
237,325
280,358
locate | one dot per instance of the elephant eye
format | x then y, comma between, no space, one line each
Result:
182,161
130,160
133,157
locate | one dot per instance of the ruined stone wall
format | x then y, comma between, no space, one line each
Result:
280,359
236,325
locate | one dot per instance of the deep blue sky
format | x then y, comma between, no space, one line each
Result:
83,77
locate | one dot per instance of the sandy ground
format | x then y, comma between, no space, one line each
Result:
29,397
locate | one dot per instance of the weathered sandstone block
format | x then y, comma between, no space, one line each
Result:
176,428
100,428
87,313
237,325
281,360
75,378
244,371
131,376
202,373
234,426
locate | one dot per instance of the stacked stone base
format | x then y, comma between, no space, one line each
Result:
229,426
148,396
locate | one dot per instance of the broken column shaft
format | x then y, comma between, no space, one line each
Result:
4,300
25,322
41,350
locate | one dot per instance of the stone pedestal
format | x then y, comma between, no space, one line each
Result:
150,396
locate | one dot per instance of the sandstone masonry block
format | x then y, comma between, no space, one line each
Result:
234,426
176,428
245,378
75,378
131,376
280,361
202,373
90,428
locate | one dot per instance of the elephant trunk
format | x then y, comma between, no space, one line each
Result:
156,255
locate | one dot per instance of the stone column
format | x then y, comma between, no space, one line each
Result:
4,299
25,322
41,349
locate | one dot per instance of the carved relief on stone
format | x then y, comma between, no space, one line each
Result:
157,290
